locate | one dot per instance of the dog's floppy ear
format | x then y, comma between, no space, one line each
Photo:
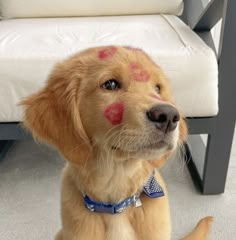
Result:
53,114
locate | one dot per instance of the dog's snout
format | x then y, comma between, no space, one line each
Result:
164,116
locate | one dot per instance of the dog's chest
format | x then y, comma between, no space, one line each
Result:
119,228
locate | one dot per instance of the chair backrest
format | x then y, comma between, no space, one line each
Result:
73,8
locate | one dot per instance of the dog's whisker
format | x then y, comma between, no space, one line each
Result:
107,159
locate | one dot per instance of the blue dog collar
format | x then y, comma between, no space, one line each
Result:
151,188
101,207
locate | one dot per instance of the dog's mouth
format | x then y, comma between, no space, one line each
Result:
145,147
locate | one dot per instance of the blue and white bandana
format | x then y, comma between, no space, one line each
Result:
151,189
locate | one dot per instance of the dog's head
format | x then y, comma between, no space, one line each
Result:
111,98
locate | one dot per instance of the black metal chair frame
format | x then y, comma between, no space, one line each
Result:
201,17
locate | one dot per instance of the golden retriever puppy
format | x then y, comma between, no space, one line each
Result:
109,112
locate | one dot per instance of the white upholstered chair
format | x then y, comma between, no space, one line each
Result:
34,35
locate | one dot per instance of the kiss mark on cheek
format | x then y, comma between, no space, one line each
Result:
107,52
138,73
114,113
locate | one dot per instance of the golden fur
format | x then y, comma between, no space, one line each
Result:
68,113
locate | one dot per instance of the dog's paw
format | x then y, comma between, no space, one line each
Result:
201,230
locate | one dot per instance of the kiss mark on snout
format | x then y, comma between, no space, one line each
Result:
114,113
138,73
107,52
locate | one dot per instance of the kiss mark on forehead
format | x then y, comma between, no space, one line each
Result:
114,113
107,52
138,73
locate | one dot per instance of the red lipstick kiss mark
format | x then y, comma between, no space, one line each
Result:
114,113
158,97
107,52
138,73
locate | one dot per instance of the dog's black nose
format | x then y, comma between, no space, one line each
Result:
164,116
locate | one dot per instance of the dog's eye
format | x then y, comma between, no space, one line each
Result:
158,88
111,84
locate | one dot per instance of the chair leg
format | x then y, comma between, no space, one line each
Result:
4,147
221,130
217,157
220,139
208,165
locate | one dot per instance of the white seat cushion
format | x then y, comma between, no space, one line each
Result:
30,47
76,8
